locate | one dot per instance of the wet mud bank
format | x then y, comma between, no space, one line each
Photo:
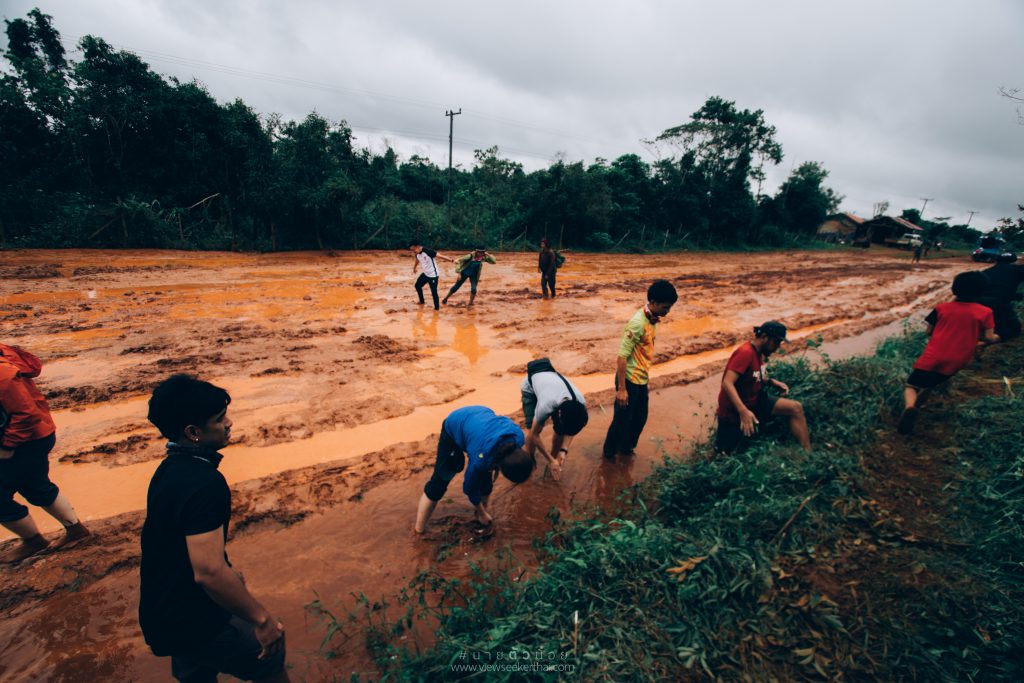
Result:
339,383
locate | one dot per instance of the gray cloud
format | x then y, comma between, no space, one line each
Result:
897,100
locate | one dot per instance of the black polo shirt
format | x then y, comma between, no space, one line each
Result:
187,496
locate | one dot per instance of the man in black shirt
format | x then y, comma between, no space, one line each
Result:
1003,280
194,607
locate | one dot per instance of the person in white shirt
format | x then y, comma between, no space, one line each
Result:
547,394
425,260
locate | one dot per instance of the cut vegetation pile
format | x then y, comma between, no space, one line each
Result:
875,556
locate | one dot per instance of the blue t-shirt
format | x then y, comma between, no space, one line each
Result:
478,432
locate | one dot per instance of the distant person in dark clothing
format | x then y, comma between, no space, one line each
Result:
1001,291
955,328
917,253
468,267
547,265
425,261
194,606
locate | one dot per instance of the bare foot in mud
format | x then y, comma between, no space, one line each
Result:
483,518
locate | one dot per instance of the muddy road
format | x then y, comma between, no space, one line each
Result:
339,383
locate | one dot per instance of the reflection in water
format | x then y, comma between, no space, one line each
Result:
613,477
424,325
467,341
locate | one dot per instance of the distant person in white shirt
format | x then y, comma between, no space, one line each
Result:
425,261
547,394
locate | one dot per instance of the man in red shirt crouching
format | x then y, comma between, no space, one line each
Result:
744,401
955,328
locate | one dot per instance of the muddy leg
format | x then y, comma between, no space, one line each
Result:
794,410
31,542
423,513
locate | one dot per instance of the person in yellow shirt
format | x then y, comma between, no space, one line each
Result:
636,353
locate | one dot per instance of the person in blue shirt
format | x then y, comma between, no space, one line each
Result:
475,439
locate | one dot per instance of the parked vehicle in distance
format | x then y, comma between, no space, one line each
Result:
989,248
909,240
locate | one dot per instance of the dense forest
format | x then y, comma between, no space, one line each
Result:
104,152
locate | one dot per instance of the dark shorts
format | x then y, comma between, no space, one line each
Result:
233,651
926,379
451,460
728,435
27,472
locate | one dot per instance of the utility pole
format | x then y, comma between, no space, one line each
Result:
926,200
451,129
971,216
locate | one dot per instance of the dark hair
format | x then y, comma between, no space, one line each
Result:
183,400
662,292
970,285
480,247
515,463
414,244
570,418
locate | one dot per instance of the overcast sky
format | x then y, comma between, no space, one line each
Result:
897,99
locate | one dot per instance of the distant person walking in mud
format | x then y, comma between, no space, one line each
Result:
468,267
547,266
425,260
954,328
194,606
548,394
917,253
632,368
743,399
475,439
27,435
1004,279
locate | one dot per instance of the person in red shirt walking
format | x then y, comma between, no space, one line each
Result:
744,401
955,328
27,435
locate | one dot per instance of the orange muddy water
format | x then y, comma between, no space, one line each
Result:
339,383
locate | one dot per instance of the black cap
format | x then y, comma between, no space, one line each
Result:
773,329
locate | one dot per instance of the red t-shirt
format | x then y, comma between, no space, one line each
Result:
28,415
958,327
746,361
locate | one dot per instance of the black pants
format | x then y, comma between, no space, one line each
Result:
628,422
451,460
235,651
27,472
1007,323
432,281
473,277
547,280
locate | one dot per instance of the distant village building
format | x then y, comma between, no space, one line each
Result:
881,228
839,226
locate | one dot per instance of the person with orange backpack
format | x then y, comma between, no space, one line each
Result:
27,435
